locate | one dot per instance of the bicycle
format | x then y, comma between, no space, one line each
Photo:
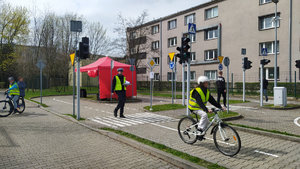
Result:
6,106
226,139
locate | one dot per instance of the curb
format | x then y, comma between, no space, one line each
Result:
283,108
179,162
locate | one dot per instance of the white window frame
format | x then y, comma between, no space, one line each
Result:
172,41
190,19
210,74
214,35
155,45
263,45
215,53
213,13
156,60
172,24
265,1
132,35
156,77
155,29
192,37
193,56
192,76
174,77
266,73
262,22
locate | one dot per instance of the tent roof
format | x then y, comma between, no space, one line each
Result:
102,63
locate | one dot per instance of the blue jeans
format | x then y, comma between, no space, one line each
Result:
265,93
15,98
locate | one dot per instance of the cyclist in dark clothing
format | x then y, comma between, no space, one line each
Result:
221,88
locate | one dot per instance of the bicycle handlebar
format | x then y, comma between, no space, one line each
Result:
216,110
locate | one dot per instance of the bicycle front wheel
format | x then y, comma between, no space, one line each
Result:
186,133
21,105
227,140
6,108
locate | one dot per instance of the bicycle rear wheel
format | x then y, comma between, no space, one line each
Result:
227,140
186,133
6,108
21,105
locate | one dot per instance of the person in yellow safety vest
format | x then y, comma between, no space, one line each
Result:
14,92
199,97
119,87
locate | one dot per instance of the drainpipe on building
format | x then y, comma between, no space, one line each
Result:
290,43
160,41
219,40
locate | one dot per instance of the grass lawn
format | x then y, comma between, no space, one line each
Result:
287,106
164,107
221,114
163,95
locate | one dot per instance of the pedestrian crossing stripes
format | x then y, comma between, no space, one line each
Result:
131,120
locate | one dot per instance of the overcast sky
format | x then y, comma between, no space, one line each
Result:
105,11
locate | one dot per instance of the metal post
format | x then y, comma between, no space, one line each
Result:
290,43
41,84
132,86
110,83
78,88
151,92
183,86
172,86
295,86
231,83
74,76
188,85
227,91
275,66
244,84
175,80
261,85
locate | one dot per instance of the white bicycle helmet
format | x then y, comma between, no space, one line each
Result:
202,79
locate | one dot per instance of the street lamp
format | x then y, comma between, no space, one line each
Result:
275,66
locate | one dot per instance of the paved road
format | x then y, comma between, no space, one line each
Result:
257,151
39,139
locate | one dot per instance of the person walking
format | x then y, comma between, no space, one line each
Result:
118,86
221,88
22,87
265,86
14,91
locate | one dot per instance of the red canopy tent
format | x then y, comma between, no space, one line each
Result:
101,68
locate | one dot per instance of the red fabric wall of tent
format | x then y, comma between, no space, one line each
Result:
102,67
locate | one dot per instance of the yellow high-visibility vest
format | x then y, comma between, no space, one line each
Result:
193,105
118,86
14,91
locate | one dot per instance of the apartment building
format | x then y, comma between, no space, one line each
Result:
223,27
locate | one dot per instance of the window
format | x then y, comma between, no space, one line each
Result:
211,13
155,29
211,54
191,36
270,47
211,34
132,35
268,73
172,24
193,56
132,50
265,22
141,70
265,1
192,75
156,76
190,19
211,74
172,41
169,78
155,45
156,60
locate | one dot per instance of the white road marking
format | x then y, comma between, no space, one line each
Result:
90,108
296,121
96,109
102,123
266,153
163,126
133,109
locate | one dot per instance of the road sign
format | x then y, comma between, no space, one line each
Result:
131,68
171,55
131,61
221,59
171,65
220,66
72,57
226,61
112,65
192,28
151,75
151,63
264,51
243,51
40,65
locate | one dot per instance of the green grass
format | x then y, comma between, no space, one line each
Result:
235,101
221,114
169,150
287,106
271,131
163,95
75,117
164,107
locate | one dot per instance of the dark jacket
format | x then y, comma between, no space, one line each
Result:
265,83
211,99
221,83
121,77
22,87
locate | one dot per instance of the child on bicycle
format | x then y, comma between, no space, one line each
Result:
14,92
199,97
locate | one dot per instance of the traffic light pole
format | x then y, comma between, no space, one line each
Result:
188,86
183,86
261,85
172,86
78,88
76,53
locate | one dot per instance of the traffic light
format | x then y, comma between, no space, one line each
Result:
84,51
297,63
246,63
185,48
179,55
264,61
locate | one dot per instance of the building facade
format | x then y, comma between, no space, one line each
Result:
223,27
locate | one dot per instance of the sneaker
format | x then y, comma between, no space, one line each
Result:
267,100
200,132
115,113
15,111
122,116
